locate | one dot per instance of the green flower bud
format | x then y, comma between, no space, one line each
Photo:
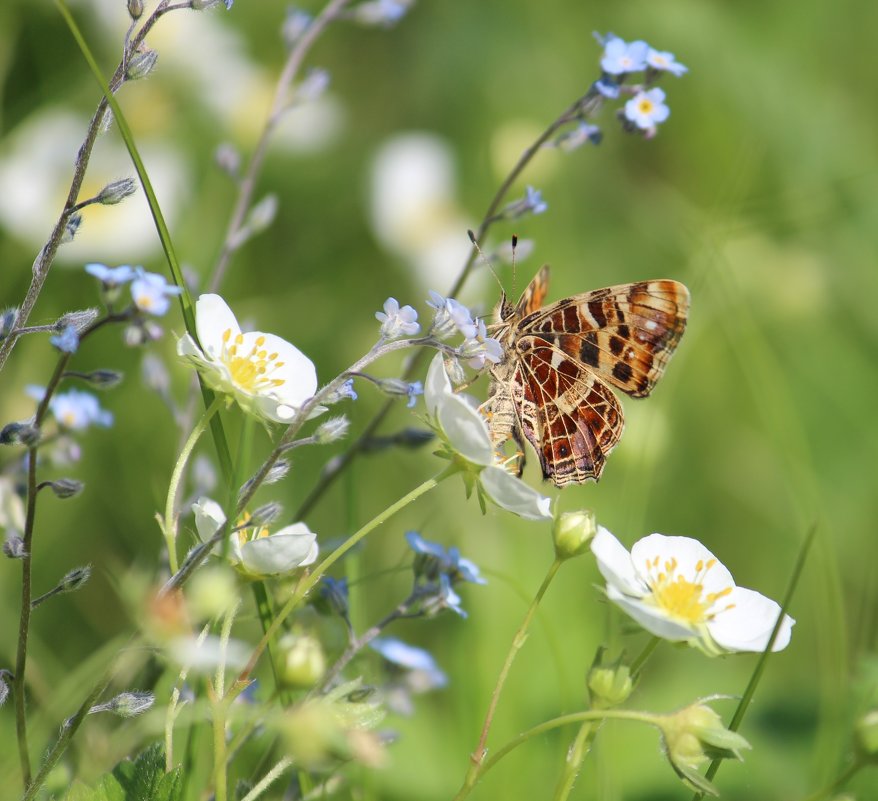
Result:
141,63
64,487
572,533
211,592
135,9
116,191
303,661
608,684
694,735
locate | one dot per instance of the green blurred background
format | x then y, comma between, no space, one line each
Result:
759,193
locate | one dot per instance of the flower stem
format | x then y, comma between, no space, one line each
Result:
309,582
170,522
480,769
478,756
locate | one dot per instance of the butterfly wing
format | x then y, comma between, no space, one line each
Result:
569,415
532,298
623,334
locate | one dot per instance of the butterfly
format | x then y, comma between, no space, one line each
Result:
554,383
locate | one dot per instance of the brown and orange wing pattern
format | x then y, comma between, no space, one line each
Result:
569,415
623,334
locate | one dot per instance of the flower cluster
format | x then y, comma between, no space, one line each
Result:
437,570
646,109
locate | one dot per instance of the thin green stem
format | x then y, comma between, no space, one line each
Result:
645,654
219,708
308,583
761,664
575,756
170,521
518,640
839,782
272,776
576,717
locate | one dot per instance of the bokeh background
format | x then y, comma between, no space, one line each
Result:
759,193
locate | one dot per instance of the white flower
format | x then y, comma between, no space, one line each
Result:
254,551
676,589
466,432
397,322
265,374
647,109
11,507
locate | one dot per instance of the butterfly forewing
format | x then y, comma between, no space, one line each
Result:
552,386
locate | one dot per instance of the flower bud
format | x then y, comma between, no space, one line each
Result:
265,515
79,320
692,736
64,487
572,533
141,63
129,705
7,322
608,684
19,434
333,429
154,374
295,24
315,83
228,159
103,379
303,662
135,9
75,579
866,734
6,679
71,226
333,597
13,547
116,191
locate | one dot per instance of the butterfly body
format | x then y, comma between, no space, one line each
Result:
553,386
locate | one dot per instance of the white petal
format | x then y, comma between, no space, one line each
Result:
278,553
687,553
205,656
209,516
437,385
651,617
187,348
213,318
615,564
748,624
298,372
466,430
514,495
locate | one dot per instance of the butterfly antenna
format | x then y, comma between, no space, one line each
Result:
483,258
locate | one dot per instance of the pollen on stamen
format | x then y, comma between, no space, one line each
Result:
260,341
227,335
239,339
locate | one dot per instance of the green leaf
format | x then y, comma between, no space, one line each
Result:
144,779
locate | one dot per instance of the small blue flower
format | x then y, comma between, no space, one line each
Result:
151,293
380,12
450,315
621,57
534,199
415,388
434,559
409,657
74,410
647,109
111,277
445,598
665,62
346,390
67,341
396,321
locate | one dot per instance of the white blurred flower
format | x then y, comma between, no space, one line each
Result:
466,431
397,322
254,551
11,507
677,589
265,374
206,654
415,211
36,161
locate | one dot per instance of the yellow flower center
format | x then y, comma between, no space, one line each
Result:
246,535
681,597
251,371
645,105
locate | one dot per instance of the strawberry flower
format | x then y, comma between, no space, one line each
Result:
266,375
678,590
466,433
254,551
